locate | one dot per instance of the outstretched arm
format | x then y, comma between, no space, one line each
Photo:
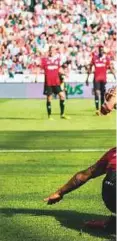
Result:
75,182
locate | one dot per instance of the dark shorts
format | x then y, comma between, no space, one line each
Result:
49,90
109,191
99,86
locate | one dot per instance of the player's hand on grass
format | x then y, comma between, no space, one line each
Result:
53,198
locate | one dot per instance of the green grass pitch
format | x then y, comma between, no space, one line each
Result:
28,176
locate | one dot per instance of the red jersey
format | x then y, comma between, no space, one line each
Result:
108,161
51,67
101,65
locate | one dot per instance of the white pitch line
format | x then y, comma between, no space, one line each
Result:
50,150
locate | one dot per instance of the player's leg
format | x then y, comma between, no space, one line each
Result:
48,93
108,225
96,95
102,90
61,94
62,102
66,91
48,105
57,90
62,106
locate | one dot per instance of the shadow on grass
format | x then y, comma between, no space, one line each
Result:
68,219
19,118
57,139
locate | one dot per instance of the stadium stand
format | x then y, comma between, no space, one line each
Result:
76,27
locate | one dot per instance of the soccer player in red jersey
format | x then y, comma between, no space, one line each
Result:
52,69
105,165
101,64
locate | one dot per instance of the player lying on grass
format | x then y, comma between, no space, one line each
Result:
110,101
105,165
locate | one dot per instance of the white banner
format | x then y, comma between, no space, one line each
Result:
32,78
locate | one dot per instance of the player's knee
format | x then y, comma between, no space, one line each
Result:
61,96
49,98
97,93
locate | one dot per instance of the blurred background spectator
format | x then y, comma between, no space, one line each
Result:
76,27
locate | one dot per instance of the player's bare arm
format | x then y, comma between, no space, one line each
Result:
113,71
89,69
61,70
75,182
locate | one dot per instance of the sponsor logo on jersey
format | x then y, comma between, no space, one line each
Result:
52,67
100,64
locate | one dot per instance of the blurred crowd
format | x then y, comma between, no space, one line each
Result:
76,27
